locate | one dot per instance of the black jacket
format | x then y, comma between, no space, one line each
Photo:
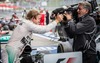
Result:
79,30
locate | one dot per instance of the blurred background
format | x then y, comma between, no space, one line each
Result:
19,5
11,12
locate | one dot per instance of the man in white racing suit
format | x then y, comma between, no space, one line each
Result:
30,24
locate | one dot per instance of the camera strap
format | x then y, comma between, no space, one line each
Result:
88,42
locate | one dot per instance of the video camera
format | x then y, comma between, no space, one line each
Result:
62,10
73,9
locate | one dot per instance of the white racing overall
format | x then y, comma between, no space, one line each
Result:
14,46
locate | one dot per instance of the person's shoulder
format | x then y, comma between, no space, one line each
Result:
28,23
89,18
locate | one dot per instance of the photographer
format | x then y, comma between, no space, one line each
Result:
83,32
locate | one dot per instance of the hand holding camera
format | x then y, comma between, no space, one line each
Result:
68,16
59,18
67,13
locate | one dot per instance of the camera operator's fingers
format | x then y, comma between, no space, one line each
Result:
59,17
68,15
3,33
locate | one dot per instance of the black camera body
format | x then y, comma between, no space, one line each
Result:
72,10
55,12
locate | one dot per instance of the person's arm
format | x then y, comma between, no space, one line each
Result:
80,27
42,29
3,33
77,28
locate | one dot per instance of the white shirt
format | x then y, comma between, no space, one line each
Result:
27,28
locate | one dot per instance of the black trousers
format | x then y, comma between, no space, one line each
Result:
89,58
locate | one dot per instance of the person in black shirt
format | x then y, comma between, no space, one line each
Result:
47,17
82,32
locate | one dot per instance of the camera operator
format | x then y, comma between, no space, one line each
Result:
61,32
83,32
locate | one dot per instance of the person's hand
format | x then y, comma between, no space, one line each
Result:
59,18
3,32
68,16
6,32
